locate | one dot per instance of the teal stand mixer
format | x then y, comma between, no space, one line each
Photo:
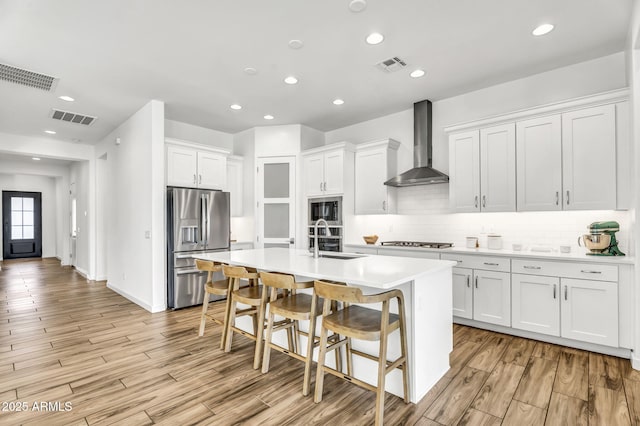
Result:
601,240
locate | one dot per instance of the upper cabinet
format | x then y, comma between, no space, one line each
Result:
196,167
483,169
376,162
567,156
234,184
327,170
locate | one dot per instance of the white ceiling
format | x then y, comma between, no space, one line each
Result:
114,56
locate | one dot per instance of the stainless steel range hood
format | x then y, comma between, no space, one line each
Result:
422,173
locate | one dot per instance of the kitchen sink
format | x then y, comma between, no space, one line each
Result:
340,256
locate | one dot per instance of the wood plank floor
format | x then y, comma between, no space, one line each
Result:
67,340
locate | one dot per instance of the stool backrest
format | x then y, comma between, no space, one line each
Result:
208,265
238,272
343,293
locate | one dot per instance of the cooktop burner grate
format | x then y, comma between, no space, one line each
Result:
416,244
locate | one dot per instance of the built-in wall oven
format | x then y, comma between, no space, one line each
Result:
329,209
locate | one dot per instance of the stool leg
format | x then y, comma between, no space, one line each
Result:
320,371
296,334
382,364
349,357
259,332
290,337
267,344
403,349
338,354
227,308
231,320
306,384
203,317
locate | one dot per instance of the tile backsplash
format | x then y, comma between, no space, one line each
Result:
423,215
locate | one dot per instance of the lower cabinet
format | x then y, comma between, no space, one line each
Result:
482,295
536,304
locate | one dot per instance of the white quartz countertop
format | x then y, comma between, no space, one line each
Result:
368,270
574,256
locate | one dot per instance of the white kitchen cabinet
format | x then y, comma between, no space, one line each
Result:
234,184
327,170
483,169
535,303
539,164
492,297
589,311
462,293
375,163
196,168
589,158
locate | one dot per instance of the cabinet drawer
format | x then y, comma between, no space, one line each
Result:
588,271
487,263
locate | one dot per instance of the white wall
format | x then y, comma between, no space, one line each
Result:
243,228
197,134
133,188
80,180
47,187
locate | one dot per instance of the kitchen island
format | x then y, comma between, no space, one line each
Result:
425,283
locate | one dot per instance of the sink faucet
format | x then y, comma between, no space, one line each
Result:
316,251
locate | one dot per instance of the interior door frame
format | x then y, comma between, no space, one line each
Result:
6,223
260,201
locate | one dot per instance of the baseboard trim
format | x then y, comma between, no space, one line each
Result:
635,361
141,303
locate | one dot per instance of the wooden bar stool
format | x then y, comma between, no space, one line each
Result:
361,323
252,296
219,288
294,307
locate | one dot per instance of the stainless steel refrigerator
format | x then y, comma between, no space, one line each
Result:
197,222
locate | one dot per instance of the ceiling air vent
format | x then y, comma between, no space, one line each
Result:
27,78
72,117
392,65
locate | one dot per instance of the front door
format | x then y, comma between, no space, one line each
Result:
276,202
22,220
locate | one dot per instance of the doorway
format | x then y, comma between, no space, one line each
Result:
22,219
276,202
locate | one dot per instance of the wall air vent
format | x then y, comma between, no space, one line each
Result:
392,64
72,117
27,78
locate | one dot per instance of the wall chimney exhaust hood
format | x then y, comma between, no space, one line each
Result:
422,173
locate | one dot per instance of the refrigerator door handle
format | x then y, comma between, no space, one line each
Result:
208,221
203,213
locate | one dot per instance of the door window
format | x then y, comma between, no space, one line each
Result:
22,227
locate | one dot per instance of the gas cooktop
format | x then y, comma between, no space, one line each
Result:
416,244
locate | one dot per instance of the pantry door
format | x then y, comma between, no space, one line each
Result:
276,202
22,224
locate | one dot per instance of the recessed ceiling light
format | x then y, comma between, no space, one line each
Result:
250,71
338,102
35,158
236,106
375,38
66,98
542,30
268,117
291,80
51,132
357,5
417,73
296,44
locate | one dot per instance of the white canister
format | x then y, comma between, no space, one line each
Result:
494,242
472,242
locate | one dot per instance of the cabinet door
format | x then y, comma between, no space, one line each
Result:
535,303
234,186
589,311
492,297
464,167
371,193
498,168
334,173
182,167
589,159
462,293
313,170
539,164
212,170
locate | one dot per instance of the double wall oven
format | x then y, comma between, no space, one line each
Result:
329,209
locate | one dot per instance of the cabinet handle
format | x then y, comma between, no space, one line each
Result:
567,197
484,201
468,280
199,178
194,178
491,264
532,267
325,186
565,292
476,201
554,291
476,282
320,186
557,197
384,205
590,272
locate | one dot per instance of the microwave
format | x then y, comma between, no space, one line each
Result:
329,209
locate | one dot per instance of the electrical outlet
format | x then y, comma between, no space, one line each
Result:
147,234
